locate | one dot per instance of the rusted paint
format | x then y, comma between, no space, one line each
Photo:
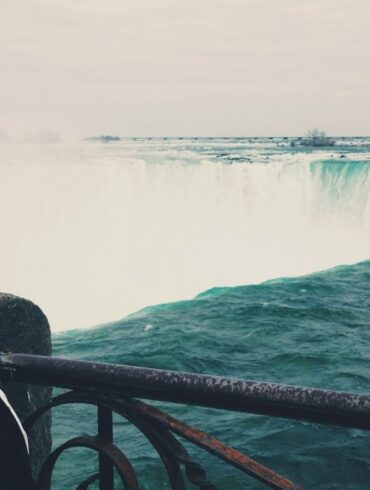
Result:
214,446
167,446
317,405
155,424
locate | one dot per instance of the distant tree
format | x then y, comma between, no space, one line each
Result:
316,133
105,138
315,137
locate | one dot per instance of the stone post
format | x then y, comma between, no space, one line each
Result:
25,329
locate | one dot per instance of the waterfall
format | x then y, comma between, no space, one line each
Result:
92,232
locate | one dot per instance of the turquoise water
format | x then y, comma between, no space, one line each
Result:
312,331
171,218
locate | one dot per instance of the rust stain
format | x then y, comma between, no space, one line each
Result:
213,445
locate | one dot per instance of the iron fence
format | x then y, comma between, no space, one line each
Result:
120,389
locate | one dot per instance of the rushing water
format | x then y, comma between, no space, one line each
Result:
92,231
96,231
310,331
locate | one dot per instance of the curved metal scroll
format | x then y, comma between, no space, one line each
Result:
85,484
119,460
157,427
168,447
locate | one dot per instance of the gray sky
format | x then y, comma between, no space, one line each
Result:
185,67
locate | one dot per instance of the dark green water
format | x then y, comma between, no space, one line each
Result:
311,331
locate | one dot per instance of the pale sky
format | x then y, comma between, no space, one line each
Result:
182,68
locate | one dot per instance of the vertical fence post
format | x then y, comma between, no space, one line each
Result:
105,432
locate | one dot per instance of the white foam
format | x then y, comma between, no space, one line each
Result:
93,232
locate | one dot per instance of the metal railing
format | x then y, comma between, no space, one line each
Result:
116,388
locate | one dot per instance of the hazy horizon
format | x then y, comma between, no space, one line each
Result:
37,138
176,69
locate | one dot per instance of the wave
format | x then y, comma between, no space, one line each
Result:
310,331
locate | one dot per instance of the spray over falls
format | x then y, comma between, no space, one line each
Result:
109,228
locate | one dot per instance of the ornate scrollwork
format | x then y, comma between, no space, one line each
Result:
159,428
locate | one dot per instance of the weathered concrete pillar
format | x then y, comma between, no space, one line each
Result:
25,329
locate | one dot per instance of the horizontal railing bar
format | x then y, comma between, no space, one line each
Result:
278,400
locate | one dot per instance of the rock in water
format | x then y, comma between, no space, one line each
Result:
25,329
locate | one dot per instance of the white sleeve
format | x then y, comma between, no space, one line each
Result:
5,400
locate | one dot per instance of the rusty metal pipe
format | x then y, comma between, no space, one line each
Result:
279,400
